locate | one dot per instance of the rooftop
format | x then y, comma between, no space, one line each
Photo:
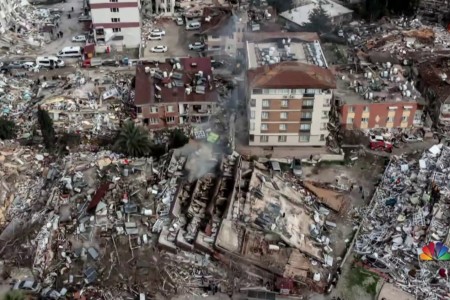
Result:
277,47
186,80
376,85
300,14
217,20
292,74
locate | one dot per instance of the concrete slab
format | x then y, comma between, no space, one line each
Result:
391,292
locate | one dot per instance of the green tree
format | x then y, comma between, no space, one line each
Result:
14,295
178,138
8,129
279,5
47,130
132,141
318,21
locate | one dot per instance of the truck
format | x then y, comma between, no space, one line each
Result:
91,62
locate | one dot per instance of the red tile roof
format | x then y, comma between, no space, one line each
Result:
147,87
291,74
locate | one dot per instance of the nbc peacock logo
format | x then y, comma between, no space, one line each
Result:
436,252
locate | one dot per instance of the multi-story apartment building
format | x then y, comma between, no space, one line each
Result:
175,93
6,8
117,23
222,30
383,99
289,104
289,90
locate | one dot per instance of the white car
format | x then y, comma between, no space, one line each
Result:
159,49
196,46
158,30
155,36
28,286
79,38
29,65
179,21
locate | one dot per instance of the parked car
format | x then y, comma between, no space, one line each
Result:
196,46
179,21
28,285
159,49
49,293
217,64
79,38
15,65
296,167
158,30
29,65
155,36
410,138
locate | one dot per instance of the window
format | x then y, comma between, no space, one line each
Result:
169,108
366,109
265,103
251,138
264,115
153,121
365,120
322,137
327,102
305,127
114,9
284,103
390,119
283,115
308,103
264,127
325,114
117,29
170,119
257,91
404,119
252,102
350,120
351,109
139,110
323,126
264,138
303,138
252,114
113,1
282,127
252,126
282,138
306,115
115,20
154,109
214,36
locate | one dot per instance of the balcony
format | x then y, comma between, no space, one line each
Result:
304,130
307,106
306,119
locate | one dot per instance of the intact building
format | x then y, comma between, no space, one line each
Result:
116,23
289,90
175,93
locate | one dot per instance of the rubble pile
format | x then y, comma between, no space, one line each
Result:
410,210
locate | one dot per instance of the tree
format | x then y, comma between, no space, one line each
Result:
47,130
8,129
14,295
280,5
178,138
376,9
132,141
318,21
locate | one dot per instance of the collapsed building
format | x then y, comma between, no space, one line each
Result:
409,210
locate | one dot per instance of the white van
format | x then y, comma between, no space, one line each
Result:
70,52
49,62
193,25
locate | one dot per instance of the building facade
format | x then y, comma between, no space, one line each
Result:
380,115
289,104
116,23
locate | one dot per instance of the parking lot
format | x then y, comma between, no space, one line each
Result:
176,40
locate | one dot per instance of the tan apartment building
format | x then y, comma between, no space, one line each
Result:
289,90
289,104
174,93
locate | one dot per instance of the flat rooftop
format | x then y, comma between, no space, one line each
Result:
376,85
284,49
